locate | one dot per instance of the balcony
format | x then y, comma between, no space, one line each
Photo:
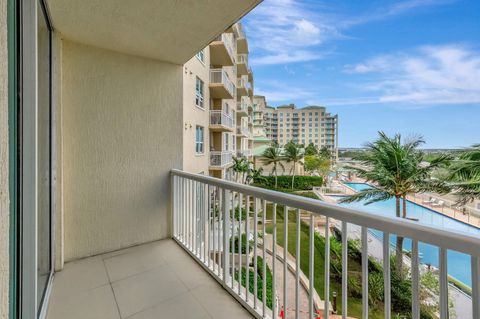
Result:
222,52
244,153
242,131
242,64
242,44
220,121
242,106
242,86
220,85
220,159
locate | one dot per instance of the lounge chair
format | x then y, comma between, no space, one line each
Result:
429,201
438,204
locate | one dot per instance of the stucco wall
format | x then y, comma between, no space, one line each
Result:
4,199
121,135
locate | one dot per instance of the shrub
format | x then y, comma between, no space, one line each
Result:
260,278
234,244
300,182
236,213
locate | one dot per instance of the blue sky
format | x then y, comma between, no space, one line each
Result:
411,67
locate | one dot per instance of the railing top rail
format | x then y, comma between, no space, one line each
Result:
466,243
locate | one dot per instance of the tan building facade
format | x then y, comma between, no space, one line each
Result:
217,105
311,124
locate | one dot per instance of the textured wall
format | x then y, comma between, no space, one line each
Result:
121,135
4,199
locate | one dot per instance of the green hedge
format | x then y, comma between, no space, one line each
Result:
300,183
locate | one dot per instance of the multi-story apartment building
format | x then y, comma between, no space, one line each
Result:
311,124
217,107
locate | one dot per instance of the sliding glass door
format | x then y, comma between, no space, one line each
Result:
44,166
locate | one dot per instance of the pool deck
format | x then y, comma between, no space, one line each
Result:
456,214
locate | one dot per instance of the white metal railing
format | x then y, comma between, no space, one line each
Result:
218,117
242,130
220,76
242,82
228,41
244,153
205,226
242,105
242,58
220,158
240,31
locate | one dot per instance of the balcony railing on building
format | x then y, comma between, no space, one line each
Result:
242,130
220,159
244,153
242,44
242,64
242,106
242,85
222,50
220,85
220,120
211,217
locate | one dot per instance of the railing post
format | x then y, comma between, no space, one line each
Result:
226,228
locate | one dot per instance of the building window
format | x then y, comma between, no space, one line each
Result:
201,56
199,89
199,140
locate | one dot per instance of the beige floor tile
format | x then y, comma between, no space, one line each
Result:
184,306
81,275
219,303
145,290
97,303
134,261
192,274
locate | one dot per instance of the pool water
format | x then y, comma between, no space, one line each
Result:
458,263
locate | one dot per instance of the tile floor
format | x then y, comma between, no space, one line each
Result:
151,281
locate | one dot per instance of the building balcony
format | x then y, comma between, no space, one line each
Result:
244,153
220,159
242,86
242,107
221,87
220,121
242,44
242,64
222,50
242,131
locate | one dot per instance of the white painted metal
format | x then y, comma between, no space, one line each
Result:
247,231
443,284
386,275
327,270
285,258
188,232
297,266
364,273
415,281
264,270
311,265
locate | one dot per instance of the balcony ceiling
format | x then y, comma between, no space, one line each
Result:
171,31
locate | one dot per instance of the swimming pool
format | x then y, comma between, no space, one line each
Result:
458,263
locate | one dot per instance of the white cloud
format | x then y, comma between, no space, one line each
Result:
292,31
431,75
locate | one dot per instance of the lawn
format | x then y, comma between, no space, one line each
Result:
354,268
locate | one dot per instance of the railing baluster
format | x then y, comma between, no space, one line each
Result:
247,247
297,264
386,275
327,269
364,273
226,230
209,221
415,281
311,265
214,235
344,269
475,287
285,256
264,270
184,224
274,257
240,262
443,284
206,221
255,265
231,239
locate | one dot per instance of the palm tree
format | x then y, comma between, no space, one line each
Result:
272,155
465,175
396,169
240,166
255,175
293,153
